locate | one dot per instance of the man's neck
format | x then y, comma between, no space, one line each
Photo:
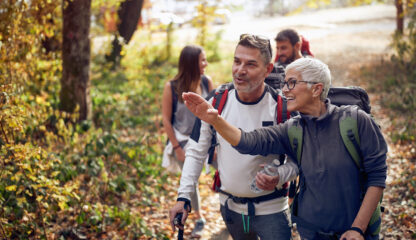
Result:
252,96
298,55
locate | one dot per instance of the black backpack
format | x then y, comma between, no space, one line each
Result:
353,95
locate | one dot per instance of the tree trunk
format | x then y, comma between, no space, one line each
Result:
399,16
75,82
128,18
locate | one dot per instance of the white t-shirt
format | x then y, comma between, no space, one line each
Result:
237,170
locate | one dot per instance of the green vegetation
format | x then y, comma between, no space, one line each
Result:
395,80
60,178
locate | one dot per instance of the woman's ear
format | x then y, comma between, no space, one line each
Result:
318,89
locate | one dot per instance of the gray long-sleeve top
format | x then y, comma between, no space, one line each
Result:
329,190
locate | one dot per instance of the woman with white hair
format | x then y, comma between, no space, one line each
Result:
330,202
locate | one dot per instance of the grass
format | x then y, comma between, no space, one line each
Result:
397,93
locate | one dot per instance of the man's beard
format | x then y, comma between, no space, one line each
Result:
291,59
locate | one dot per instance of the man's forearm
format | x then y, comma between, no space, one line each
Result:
371,199
230,133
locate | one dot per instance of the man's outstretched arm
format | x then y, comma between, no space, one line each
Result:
206,112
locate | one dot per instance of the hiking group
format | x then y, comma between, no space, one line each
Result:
337,153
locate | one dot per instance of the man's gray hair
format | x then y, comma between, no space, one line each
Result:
258,42
313,70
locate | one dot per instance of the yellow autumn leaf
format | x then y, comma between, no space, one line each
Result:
62,205
55,173
76,196
11,188
28,193
39,100
21,200
131,153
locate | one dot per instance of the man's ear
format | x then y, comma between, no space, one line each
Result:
298,45
269,68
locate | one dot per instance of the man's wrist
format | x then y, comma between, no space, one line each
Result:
216,121
187,206
357,229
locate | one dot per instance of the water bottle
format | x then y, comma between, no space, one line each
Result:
269,169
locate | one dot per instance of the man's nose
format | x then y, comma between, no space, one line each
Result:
241,70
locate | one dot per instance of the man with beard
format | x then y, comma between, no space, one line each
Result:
289,47
250,104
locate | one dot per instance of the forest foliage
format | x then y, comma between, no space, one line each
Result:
62,178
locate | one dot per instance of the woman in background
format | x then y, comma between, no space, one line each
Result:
178,121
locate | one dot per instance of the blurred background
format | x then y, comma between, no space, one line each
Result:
81,82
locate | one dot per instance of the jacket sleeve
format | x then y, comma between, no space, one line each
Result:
374,150
264,141
287,172
195,156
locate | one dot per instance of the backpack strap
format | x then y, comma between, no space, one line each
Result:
281,109
295,133
281,116
205,82
349,132
174,100
218,102
348,128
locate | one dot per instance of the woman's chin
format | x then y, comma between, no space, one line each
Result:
291,106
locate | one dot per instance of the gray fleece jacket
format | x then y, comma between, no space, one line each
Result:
329,190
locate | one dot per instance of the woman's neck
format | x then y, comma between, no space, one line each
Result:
196,87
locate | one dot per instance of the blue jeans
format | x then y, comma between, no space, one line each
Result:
266,227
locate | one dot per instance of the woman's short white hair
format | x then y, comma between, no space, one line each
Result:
312,70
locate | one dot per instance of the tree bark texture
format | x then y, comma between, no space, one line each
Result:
128,17
399,16
75,82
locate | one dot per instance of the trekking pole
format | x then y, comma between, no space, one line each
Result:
178,222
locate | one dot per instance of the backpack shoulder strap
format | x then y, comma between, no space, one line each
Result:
281,108
218,102
282,113
295,133
205,82
349,132
220,96
174,100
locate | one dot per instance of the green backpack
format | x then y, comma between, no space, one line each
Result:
349,133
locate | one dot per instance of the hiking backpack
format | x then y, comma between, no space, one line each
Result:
219,100
343,97
173,83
